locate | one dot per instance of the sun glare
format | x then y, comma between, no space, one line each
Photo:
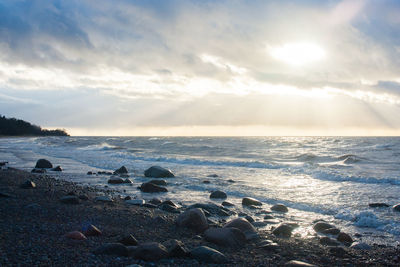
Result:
298,54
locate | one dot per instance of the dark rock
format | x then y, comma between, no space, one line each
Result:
193,219
169,208
155,201
283,230
223,213
116,180
112,249
378,205
38,171
268,217
227,204
218,194
176,248
326,241
242,224
344,238
152,188
279,208
294,263
320,226
249,201
70,200
57,169
76,235
210,207
212,175
129,240
396,207
231,181
43,164
122,170
127,181
89,173
208,255
249,218
28,184
159,182
227,236
169,202
127,198
330,231
206,182
92,230
151,251
158,172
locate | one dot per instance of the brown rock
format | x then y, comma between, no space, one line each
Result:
249,201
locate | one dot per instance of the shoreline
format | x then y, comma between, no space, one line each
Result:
34,224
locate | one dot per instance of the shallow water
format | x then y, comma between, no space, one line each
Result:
333,178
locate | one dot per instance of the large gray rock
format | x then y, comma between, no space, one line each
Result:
158,172
242,224
218,194
229,237
193,219
249,201
321,226
122,170
152,188
112,249
283,230
208,255
151,251
43,164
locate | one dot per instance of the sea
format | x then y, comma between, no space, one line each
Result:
329,178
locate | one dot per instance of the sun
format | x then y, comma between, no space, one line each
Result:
297,54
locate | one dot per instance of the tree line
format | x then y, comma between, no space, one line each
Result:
16,127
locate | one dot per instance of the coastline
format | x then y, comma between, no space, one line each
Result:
34,223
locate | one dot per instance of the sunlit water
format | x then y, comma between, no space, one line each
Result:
331,178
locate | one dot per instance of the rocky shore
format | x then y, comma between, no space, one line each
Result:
49,222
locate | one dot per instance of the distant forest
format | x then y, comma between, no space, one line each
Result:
16,127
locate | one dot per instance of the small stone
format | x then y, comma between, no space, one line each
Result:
320,226
227,204
208,255
70,200
92,230
152,188
158,172
218,194
122,170
283,230
279,208
28,184
76,235
344,238
129,240
295,263
248,201
112,249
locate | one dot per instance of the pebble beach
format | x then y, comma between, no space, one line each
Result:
51,222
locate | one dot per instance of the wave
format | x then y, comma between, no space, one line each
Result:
328,176
102,146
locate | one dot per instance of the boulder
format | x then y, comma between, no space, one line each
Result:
57,169
116,180
137,202
227,204
242,224
76,235
344,238
151,251
279,208
152,188
70,200
378,205
176,248
330,231
320,226
283,230
158,172
205,254
129,240
122,170
294,263
92,230
249,201
111,249
326,241
193,219
227,236
159,182
218,194
43,164
28,184
396,207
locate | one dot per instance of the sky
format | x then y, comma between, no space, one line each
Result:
200,67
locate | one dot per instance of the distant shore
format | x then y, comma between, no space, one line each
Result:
34,223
